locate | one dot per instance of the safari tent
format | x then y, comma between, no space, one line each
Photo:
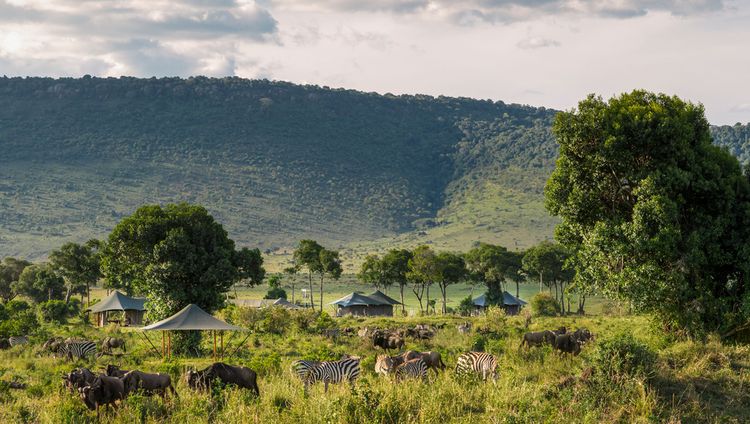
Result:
191,317
357,304
511,304
133,308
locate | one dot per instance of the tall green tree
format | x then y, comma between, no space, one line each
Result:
78,265
395,266
307,256
40,283
177,255
10,271
492,265
655,213
423,272
547,260
451,270
330,266
372,272
291,271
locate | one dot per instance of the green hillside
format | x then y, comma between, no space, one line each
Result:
273,161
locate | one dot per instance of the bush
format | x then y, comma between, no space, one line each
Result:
543,304
493,321
21,319
275,293
466,307
53,311
624,356
16,305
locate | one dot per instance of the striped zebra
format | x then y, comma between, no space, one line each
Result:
334,372
416,368
302,367
77,349
18,341
478,363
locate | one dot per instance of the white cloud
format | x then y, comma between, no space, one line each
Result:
537,43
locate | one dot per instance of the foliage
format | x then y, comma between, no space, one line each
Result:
543,304
492,265
177,255
78,265
39,282
275,293
493,321
623,356
656,214
466,307
451,270
371,272
54,311
17,318
10,271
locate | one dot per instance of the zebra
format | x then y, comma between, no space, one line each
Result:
334,372
415,368
480,363
302,367
77,349
18,341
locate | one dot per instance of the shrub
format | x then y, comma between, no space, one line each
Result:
624,356
17,305
466,307
543,304
53,311
478,343
493,321
21,320
275,293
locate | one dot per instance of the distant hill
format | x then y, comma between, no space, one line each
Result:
275,162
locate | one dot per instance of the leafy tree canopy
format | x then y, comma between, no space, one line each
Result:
40,283
656,214
10,271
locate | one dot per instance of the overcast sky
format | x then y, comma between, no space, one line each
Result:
539,52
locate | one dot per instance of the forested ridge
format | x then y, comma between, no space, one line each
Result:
273,161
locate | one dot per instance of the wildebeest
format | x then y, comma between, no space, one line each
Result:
102,391
432,359
421,331
52,345
477,363
110,343
464,328
149,383
227,374
387,340
559,331
567,343
4,344
115,371
583,335
78,378
538,338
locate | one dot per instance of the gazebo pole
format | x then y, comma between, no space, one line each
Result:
163,346
169,345
214,331
221,335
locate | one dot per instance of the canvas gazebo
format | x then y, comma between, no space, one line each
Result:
357,304
511,304
191,317
132,307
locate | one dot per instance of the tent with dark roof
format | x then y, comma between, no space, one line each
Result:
379,295
511,304
133,307
358,304
191,317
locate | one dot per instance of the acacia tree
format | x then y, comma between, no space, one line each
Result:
39,282
492,265
10,271
548,261
78,265
330,265
451,270
372,272
307,255
395,267
423,272
291,271
177,255
655,213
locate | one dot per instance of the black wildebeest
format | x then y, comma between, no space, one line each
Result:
538,338
432,359
149,383
102,391
387,340
110,343
567,343
115,371
227,374
78,378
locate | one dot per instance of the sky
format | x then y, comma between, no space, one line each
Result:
548,53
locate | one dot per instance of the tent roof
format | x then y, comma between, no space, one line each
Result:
508,300
119,302
262,303
355,299
285,303
383,298
191,317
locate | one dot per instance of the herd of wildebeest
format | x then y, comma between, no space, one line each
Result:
115,384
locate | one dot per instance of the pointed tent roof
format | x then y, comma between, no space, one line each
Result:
285,303
356,299
508,300
384,298
117,301
191,317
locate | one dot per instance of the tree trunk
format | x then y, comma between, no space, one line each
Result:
403,307
312,296
418,294
321,293
518,293
292,292
428,299
443,289
88,294
541,281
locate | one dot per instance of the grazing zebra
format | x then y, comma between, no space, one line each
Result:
415,368
302,367
18,341
77,349
334,372
480,363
